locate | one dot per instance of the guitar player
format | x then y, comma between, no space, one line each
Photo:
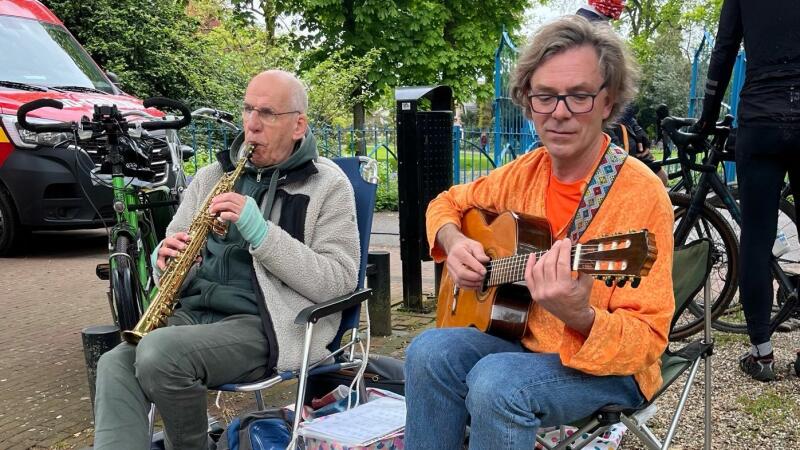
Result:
586,344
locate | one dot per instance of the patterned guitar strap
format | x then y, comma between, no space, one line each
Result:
596,190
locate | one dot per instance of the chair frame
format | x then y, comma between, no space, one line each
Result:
311,315
635,419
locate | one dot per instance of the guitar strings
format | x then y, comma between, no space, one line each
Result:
512,268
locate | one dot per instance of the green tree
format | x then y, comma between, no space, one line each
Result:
661,35
331,84
144,42
233,52
421,42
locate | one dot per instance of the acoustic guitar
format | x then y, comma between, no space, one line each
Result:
501,307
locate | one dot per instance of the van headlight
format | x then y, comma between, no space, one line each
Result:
29,139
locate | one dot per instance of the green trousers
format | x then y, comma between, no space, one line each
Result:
172,368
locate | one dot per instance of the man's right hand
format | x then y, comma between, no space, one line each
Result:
171,248
465,258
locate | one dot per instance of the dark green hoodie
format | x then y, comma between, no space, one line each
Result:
223,285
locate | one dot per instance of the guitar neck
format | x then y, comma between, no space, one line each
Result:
511,269
583,259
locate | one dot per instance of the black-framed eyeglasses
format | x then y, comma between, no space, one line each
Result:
580,103
265,115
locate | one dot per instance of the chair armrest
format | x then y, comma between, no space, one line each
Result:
338,304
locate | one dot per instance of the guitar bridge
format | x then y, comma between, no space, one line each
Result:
455,300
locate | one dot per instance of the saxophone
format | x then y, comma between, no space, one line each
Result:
162,306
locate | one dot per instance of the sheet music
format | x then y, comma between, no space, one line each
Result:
361,425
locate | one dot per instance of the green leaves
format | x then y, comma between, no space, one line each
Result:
420,42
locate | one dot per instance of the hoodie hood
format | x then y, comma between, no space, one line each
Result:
305,151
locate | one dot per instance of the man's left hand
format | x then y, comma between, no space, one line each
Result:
227,206
551,284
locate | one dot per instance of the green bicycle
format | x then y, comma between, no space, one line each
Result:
126,156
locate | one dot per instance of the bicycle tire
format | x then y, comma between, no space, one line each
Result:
725,262
733,320
124,290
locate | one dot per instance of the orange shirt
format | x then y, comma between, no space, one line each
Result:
562,199
561,202
631,326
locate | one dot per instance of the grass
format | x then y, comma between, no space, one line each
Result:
722,338
769,406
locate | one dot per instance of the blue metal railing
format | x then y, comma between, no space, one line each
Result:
207,138
513,132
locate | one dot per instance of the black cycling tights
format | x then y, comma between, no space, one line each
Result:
763,158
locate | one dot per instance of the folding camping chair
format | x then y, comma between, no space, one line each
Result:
691,267
363,175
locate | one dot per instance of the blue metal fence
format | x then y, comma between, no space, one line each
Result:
513,133
207,138
472,148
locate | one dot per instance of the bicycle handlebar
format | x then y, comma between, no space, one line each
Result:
688,142
171,104
213,113
24,110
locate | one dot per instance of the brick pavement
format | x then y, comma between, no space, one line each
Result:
50,293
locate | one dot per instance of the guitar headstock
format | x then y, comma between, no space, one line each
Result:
618,257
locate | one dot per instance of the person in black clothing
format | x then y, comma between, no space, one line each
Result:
767,145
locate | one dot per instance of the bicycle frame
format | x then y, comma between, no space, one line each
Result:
126,206
711,181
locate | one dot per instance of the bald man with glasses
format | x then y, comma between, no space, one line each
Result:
292,242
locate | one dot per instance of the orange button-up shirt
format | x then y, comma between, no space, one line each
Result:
631,326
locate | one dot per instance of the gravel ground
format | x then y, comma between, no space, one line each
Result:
746,414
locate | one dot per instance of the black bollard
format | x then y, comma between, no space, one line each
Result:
97,340
380,304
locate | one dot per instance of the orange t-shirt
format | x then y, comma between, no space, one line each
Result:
561,201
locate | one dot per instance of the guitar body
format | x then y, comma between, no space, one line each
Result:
499,310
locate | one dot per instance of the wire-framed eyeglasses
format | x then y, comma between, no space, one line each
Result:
579,103
265,115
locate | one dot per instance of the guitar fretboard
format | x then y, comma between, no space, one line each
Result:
511,269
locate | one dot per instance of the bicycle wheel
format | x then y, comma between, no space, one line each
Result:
733,319
124,285
725,255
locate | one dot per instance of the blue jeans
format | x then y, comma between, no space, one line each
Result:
506,391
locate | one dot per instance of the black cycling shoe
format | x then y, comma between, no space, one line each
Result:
761,368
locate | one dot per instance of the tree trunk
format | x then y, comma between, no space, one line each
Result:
358,129
270,15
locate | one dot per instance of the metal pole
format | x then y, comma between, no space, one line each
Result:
97,340
707,361
380,305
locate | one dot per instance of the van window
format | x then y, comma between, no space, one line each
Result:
46,55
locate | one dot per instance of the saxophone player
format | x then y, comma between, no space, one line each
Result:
292,241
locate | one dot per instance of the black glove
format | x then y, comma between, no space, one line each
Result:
706,125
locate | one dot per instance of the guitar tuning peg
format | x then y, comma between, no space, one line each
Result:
609,281
635,282
621,282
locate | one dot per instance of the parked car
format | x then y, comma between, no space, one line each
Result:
46,183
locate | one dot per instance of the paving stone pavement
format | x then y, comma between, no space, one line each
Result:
50,293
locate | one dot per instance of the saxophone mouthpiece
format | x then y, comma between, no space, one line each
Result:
249,147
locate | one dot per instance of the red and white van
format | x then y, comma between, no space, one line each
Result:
44,182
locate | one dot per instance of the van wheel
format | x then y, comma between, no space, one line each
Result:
10,230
